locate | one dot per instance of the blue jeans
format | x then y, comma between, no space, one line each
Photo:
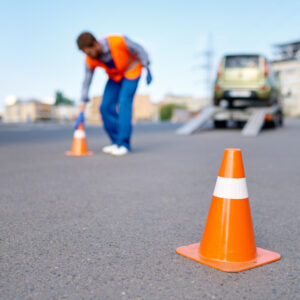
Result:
116,110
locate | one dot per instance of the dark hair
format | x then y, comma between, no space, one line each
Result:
84,40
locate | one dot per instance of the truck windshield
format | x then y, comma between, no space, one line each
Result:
242,61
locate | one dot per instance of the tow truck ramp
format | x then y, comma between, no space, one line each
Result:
198,122
257,119
254,124
254,116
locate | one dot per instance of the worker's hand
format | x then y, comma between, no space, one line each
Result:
149,76
79,119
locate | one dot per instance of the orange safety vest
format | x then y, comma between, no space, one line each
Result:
126,64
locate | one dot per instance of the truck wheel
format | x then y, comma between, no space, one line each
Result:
220,124
270,124
240,124
277,121
281,118
216,102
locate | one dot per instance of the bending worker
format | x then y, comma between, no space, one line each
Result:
123,60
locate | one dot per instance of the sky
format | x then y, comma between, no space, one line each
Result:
39,55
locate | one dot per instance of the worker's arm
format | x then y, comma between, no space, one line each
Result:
86,86
84,95
139,51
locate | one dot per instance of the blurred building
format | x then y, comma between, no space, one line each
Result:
181,115
191,104
287,66
143,109
27,111
33,110
92,114
64,113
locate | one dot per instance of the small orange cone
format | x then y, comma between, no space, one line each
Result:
228,242
79,145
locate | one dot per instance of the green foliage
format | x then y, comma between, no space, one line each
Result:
61,99
166,111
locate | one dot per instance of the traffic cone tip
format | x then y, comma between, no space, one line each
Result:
80,126
232,164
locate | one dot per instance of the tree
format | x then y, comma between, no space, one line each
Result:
61,99
166,111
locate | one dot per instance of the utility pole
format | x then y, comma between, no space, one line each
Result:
207,66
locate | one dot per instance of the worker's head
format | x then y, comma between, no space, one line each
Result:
88,44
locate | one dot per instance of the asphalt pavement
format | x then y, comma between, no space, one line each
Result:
104,227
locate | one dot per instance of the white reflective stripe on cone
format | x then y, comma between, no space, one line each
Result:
80,134
231,188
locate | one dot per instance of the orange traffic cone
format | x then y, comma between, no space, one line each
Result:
79,145
228,241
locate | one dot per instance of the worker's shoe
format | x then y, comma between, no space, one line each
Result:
120,151
109,149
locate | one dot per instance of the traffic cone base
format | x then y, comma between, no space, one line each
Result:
70,153
262,257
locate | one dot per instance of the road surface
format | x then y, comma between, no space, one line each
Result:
103,227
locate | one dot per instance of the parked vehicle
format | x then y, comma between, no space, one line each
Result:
246,80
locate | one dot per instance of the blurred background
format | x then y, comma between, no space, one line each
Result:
42,70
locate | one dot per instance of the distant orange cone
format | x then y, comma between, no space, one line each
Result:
79,145
228,241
